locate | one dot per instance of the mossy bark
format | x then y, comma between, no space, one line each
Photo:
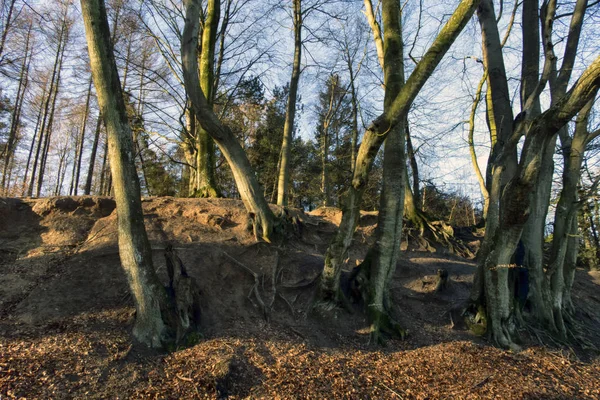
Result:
247,184
372,141
156,322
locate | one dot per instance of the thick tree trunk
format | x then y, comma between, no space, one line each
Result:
534,231
158,320
383,255
372,140
517,200
288,127
246,181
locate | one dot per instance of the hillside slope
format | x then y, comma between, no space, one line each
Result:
65,315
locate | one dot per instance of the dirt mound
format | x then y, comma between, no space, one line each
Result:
66,311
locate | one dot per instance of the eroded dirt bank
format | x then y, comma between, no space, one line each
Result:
65,315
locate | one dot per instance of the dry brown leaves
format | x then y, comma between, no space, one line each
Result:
79,360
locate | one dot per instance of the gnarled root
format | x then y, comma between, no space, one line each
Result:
185,292
429,234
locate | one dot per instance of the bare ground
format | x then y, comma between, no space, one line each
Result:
66,313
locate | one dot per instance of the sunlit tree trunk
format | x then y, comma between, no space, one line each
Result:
156,321
372,140
288,128
246,181
16,117
204,182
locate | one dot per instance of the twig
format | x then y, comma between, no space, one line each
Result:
183,378
483,382
390,389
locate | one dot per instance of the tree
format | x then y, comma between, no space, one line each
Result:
157,322
247,184
288,129
378,268
13,136
520,193
372,140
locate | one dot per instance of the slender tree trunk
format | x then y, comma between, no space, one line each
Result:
16,117
42,129
157,322
480,179
354,100
6,27
104,173
88,182
49,129
416,191
380,262
247,185
290,114
82,137
372,140
33,139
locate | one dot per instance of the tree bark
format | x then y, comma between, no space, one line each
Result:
156,319
246,181
288,127
372,140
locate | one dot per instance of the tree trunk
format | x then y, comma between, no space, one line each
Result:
33,140
288,128
64,37
6,27
205,184
42,129
158,319
517,199
88,182
16,117
82,137
246,181
372,140
380,263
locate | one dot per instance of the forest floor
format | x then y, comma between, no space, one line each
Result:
66,315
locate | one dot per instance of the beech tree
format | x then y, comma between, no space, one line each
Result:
374,136
159,322
519,194
247,184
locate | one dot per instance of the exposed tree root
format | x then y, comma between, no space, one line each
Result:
431,234
186,293
254,295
